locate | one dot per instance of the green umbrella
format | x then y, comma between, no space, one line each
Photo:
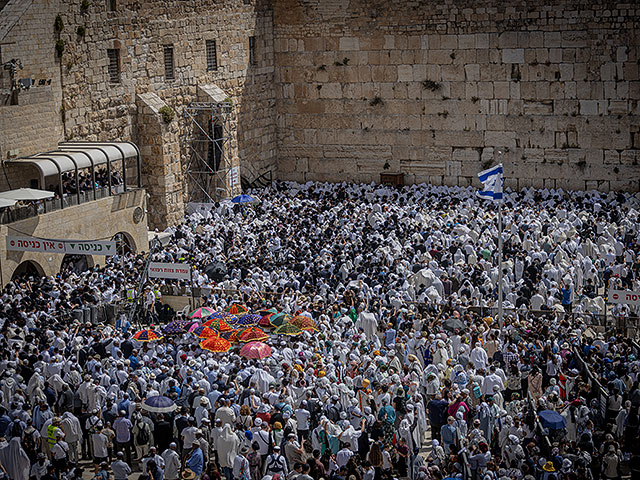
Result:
279,319
287,329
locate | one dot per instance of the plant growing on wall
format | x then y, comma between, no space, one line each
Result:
81,30
167,113
84,6
376,101
58,25
59,47
431,85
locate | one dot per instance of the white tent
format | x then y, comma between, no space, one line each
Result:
26,194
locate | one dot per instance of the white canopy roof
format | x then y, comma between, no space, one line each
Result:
25,194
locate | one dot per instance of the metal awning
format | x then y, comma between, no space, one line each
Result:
75,156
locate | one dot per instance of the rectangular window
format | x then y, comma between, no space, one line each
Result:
168,63
252,51
212,56
111,5
114,65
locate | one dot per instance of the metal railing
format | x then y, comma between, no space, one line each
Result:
32,209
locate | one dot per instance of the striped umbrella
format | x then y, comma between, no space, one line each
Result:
248,320
287,329
215,345
222,315
252,334
202,312
237,308
146,336
279,319
255,350
217,324
204,332
304,323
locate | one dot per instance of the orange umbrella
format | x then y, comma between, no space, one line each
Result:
205,332
217,324
304,323
252,334
215,345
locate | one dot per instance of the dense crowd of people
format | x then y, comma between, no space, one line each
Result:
411,373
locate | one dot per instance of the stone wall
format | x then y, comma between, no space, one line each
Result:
100,219
30,120
441,90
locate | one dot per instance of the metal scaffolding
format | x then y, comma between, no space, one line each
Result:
208,145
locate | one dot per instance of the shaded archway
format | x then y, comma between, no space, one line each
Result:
76,263
28,268
124,243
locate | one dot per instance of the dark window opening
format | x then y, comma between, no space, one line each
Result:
168,63
214,154
212,56
114,65
252,51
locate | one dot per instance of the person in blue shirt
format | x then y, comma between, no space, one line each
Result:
134,361
449,435
390,336
195,462
565,290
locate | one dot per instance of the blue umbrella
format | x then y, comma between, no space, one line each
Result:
244,198
159,404
552,420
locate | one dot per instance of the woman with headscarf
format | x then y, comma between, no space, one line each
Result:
387,415
15,460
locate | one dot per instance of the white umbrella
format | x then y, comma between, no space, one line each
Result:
27,194
6,202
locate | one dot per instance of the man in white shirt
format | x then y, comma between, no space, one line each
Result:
189,434
171,462
99,440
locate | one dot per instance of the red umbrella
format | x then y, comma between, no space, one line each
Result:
215,345
264,321
252,334
255,350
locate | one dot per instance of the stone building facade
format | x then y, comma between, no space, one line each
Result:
335,89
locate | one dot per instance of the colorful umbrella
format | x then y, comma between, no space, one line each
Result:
237,308
287,329
279,319
252,334
202,312
268,311
248,320
146,336
215,345
204,332
303,323
176,327
193,326
255,350
159,404
264,320
231,335
217,324
222,315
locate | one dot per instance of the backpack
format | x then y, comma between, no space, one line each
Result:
142,438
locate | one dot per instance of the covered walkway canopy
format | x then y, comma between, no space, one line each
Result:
75,156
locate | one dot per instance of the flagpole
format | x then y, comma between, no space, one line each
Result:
500,314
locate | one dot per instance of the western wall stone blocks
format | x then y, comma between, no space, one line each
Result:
513,55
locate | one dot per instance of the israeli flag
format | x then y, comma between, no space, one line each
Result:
491,182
